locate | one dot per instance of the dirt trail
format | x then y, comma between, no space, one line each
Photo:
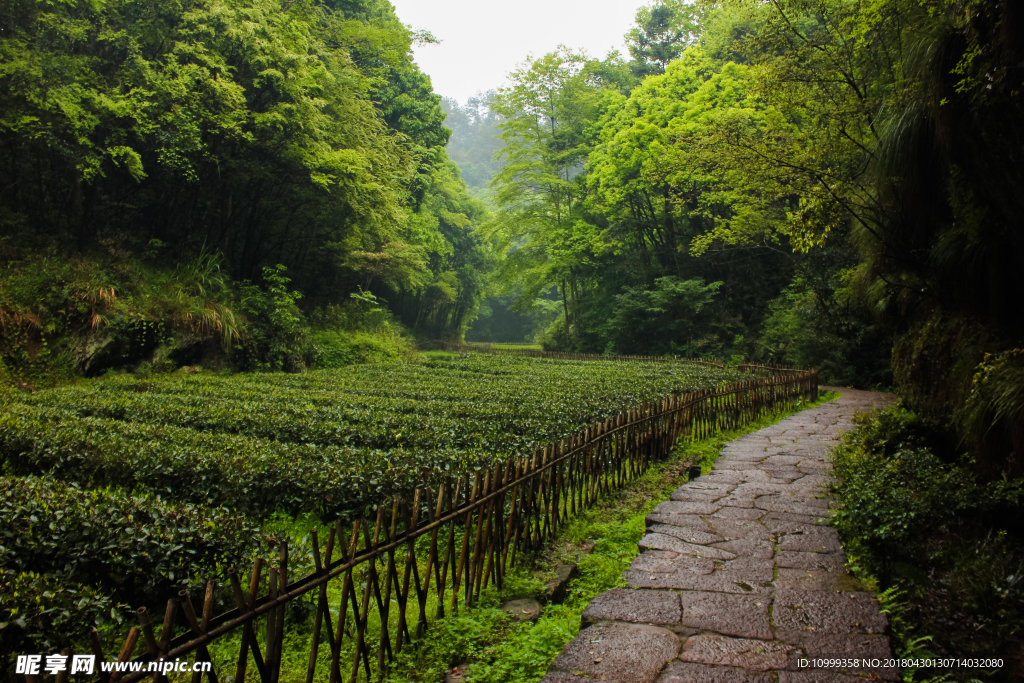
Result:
741,577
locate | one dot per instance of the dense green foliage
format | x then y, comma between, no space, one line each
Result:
167,169
622,194
475,141
913,515
809,181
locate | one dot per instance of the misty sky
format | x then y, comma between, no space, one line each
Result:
482,40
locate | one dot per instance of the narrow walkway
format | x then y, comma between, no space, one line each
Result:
738,581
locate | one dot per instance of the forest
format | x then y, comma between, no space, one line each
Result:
277,187
216,187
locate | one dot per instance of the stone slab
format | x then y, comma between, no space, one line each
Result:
732,615
638,606
744,575
665,542
793,517
819,676
736,501
743,474
667,562
676,507
821,612
810,542
815,580
821,561
748,547
628,653
565,677
694,522
753,655
689,496
730,529
729,512
697,582
689,672
685,533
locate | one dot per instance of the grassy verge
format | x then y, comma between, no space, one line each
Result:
500,650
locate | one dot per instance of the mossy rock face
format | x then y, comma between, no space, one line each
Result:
120,344
937,364
933,362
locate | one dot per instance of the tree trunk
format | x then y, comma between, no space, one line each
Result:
565,304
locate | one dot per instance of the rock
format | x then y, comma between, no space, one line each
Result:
557,587
457,673
526,609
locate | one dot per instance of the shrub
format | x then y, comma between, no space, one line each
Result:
934,532
277,339
331,349
896,493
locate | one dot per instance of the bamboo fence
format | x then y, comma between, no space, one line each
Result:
455,347
378,586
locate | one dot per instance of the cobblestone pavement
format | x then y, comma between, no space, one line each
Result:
740,576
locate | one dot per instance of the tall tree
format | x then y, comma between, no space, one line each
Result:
663,31
546,115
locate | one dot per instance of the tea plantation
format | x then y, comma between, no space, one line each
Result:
328,442
187,467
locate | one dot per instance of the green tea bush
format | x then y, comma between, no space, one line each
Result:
253,476
38,612
331,442
134,546
70,557
499,405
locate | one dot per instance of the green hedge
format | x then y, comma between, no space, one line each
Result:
253,476
494,404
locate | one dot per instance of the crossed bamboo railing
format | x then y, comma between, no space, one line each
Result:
455,347
451,541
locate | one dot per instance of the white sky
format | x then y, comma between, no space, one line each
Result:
483,40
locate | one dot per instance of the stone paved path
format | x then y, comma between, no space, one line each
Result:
738,581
